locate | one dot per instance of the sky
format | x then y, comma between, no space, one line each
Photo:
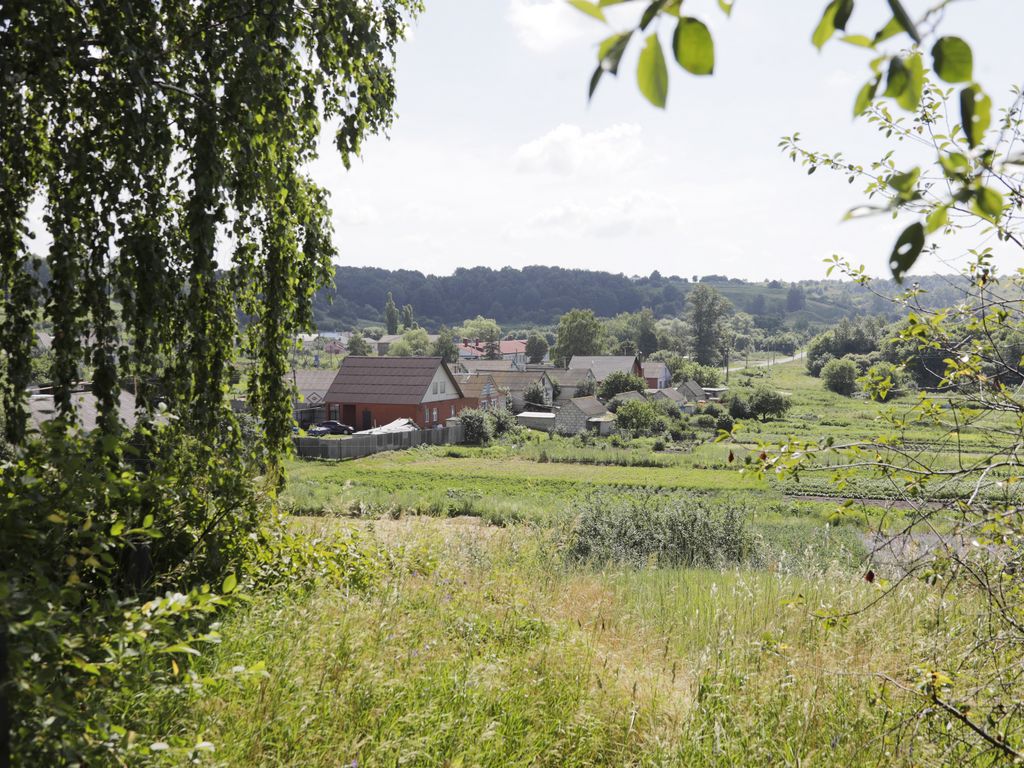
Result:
497,159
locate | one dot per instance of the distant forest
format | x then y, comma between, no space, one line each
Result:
537,296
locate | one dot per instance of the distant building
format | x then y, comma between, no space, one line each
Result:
692,391
42,408
673,396
570,380
513,350
368,392
311,385
515,383
605,365
481,391
656,374
475,366
581,414
625,397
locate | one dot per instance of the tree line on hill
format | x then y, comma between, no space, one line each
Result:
538,296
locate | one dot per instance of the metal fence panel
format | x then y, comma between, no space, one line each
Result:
357,446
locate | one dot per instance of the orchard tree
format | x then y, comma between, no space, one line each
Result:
840,376
413,342
579,333
618,382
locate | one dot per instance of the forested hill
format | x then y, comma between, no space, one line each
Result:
538,295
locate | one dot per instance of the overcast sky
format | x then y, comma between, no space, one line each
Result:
497,159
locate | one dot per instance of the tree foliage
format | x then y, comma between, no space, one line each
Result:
536,348
638,417
706,312
445,347
618,382
168,142
390,315
840,376
358,345
579,333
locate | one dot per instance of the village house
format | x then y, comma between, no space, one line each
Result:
605,365
368,392
692,391
625,397
656,374
474,366
42,408
673,396
481,391
581,414
311,385
515,384
513,350
570,381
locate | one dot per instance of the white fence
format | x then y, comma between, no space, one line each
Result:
358,446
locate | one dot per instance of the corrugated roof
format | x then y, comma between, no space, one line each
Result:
514,380
487,365
632,394
386,380
603,365
312,383
655,369
572,377
691,391
42,409
590,406
473,386
671,394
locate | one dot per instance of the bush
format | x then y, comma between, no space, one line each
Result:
724,423
636,528
840,376
739,407
713,410
884,381
503,422
477,426
705,421
638,417
619,382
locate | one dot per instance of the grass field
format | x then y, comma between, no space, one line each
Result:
488,640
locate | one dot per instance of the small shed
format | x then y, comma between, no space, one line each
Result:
579,414
545,422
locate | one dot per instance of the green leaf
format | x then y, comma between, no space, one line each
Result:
651,72
954,165
609,53
594,80
975,114
726,6
953,60
904,20
937,219
891,29
588,8
905,82
117,528
229,584
904,182
908,247
843,14
147,521
694,48
988,203
652,10
827,26
862,41
865,96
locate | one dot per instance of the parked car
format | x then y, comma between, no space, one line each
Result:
330,428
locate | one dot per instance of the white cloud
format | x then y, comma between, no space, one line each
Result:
569,150
635,213
547,25
351,211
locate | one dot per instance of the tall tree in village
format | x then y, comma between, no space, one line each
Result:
579,333
358,345
168,143
706,313
390,315
536,348
408,320
445,347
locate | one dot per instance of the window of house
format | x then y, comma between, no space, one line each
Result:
452,410
435,387
435,414
426,415
442,386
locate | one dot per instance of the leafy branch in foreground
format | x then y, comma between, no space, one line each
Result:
899,51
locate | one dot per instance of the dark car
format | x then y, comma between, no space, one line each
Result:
330,428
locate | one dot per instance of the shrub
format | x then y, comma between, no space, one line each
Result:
840,376
477,426
503,422
705,421
767,402
739,407
533,397
619,382
638,417
884,380
636,528
711,409
724,423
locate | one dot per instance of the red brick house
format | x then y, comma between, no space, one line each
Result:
480,391
369,392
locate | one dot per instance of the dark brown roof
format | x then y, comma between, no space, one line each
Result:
590,406
386,380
